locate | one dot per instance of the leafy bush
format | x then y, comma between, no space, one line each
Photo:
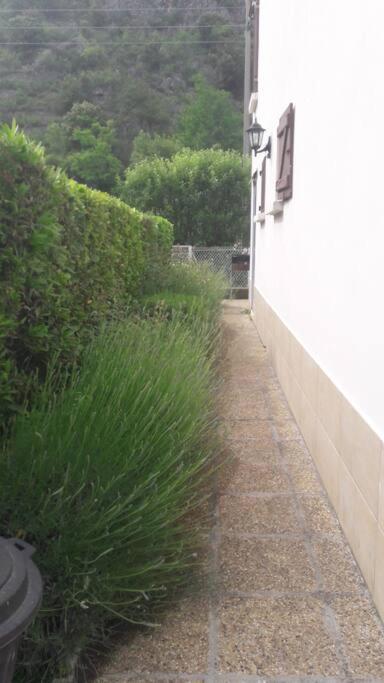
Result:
112,467
146,146
70,257
205,194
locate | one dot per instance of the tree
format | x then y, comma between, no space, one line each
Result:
83,144
210,118
224,53
94,164
51,60
205,194
25,31
146,146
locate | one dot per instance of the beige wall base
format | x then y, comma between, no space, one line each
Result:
348,454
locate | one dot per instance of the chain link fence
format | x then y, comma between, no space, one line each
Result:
220,259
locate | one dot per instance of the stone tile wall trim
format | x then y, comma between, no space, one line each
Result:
348,454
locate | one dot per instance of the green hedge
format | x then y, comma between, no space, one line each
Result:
69,258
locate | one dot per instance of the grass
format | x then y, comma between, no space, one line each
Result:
191,292
101,477
197,279
169,305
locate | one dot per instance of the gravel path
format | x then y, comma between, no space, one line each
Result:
284,600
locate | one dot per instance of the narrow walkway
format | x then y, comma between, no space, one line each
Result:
286,601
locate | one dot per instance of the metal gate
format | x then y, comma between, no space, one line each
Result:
219,259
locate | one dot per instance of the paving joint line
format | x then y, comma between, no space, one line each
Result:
329,617
256,438
235,677
284,536
323,595
251,678
150,676
275,494
213,583
255,420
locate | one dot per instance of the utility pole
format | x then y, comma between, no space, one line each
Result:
247,78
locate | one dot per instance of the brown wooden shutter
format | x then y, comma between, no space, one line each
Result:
285,130
263,173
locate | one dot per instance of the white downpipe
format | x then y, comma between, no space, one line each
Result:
252,264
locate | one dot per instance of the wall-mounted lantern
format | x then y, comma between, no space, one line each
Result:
256,134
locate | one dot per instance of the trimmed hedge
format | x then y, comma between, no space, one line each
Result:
69,258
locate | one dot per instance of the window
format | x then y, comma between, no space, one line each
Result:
285,130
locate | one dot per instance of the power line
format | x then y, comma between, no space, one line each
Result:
145,8
123,28
109,11
159,42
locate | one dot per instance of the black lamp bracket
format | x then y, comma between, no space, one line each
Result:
267,148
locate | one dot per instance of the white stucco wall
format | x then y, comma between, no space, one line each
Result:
321,266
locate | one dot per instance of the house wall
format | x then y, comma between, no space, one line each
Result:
320,266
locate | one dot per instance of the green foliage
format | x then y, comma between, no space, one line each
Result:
94,164
113,467
225,60
211,118
146,146
140,109
135,69
170,305
83,145
70,257
24,30
196,279
193,294
83,116
205,194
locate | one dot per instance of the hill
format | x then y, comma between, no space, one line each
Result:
135,60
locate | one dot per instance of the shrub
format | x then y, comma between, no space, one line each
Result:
70,257
145,146
102,476
205,194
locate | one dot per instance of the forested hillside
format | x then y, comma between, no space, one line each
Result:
135,60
